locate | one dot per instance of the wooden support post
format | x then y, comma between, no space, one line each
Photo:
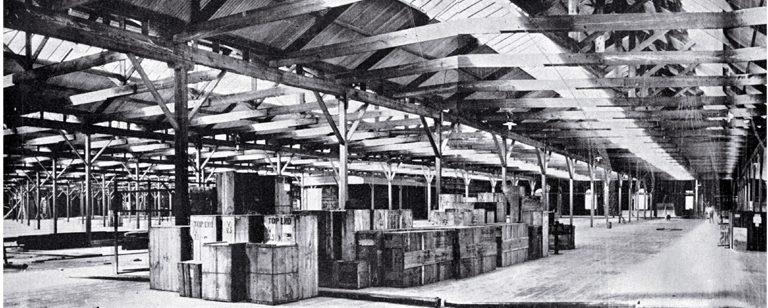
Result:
116,218
137,196
27,210
181,143
87,190
696,200
104,199
54,213
428,176
82,203
38,205
148,206
467,181
438,159
621,183
373,197
390,174
629,198
198,166
400,197
543,158
592,194
606,188
570,163
343,152
69,201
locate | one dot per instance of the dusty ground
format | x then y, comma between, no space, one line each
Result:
679,266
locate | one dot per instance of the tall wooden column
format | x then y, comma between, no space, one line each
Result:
87,190
592,194
438,158
570,164
38,205
137,196
621,183
505,153
181,210
53,200
606,197
343,152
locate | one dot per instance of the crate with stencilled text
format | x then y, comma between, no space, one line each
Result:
242,228
475,250
204,229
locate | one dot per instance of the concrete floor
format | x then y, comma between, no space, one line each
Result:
679,266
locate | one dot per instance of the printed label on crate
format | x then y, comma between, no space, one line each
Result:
280,228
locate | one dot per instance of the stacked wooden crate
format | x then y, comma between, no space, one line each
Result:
512,244
370,249
204,229
391,219
224,268
565,238
499,201
413,258
534,242
168,245
273,273
475,250
473,217
242,228
191,279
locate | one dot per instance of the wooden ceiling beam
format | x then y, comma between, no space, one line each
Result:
561,59
259,16
507,24
581,84
131,89
75,29
657,101
44,72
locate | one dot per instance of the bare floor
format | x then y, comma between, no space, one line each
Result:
638,263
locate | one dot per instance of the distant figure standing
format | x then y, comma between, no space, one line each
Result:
710,213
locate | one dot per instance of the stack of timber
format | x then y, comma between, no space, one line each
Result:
191,279
391,219
475,250
273,273
565,237
511,244
242,228
204,229
414,258
168,245
224,271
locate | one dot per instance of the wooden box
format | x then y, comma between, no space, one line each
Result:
204,229
353,274
245,193
478,217
393,219
370,248
355,220
413,258
512,244
329,233
475,250
534,242
280,228
242,228
533,218
224,267
272,273
191,279
168,245
306,240
406,219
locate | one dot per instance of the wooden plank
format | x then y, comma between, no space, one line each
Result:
507,24
168,245
559,59
306,238
259,16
